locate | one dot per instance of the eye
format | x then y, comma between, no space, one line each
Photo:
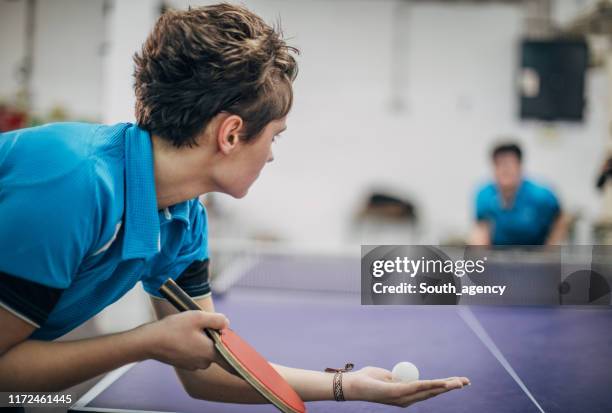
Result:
276,137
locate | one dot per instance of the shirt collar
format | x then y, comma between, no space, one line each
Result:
512,202
181,212
177,212
142,232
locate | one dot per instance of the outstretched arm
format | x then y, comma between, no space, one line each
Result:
368,384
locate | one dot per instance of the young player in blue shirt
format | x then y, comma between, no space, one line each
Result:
88,211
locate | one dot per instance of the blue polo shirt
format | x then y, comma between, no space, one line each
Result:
527,221
78,215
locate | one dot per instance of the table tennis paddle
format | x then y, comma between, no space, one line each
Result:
247,362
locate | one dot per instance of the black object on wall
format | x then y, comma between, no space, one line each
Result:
552,79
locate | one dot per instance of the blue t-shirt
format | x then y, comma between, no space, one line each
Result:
526,221
78,213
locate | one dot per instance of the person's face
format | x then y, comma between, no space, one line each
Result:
507,170
245,162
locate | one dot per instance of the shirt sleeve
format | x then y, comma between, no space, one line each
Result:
190,268
194,279
482,205
553,203
30,301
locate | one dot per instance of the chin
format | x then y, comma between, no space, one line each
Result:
235,191
239,194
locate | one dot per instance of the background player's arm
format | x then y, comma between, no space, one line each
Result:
371,384
481,234
559,229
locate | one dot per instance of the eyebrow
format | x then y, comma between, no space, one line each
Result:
282,130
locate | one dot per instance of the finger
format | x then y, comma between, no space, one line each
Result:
216,321
422,385
464,381
207,354
427,394
386,375
420,396
454,384
212,354
221,362
399,390
206,348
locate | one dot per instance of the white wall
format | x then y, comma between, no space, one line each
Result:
68,56
68,49
452,67
12,46
459,95
127,26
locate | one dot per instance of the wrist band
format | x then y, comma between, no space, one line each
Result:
337,383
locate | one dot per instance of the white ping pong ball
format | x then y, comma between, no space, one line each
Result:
405,371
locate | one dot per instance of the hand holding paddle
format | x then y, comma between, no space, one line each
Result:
194,350
244,359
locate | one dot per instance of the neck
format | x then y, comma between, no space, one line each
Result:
508,195
179,176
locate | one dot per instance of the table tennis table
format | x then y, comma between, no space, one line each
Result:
519,359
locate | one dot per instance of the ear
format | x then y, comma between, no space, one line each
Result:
228,133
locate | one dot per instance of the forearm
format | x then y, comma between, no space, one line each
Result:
480,235
558,233
53,366
309,384
216,384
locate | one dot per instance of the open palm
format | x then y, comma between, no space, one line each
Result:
376,385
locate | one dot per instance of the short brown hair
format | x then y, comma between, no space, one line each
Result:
202,61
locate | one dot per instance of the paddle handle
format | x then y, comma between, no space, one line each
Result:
177,297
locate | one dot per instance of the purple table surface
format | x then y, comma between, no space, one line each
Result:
563,355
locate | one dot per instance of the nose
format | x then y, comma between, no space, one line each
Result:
270,157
